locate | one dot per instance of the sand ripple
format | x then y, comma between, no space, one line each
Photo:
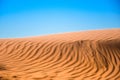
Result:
90,55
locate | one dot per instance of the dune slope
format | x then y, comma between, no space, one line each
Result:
88,55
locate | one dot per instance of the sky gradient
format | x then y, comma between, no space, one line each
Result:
22,18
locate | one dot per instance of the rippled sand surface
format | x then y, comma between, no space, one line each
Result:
87,55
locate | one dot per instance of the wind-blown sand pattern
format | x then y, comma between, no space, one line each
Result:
89,55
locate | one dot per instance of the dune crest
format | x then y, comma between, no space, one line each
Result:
88,55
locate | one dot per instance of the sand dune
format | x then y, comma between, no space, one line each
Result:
87,55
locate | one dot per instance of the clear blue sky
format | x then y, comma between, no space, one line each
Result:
21,18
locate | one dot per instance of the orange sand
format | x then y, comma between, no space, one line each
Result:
87,55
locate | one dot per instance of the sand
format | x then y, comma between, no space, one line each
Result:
86,55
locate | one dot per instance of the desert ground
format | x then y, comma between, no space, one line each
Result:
85,55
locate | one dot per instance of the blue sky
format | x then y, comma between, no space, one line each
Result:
22,18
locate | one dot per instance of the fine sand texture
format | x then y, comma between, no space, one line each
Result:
86,55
